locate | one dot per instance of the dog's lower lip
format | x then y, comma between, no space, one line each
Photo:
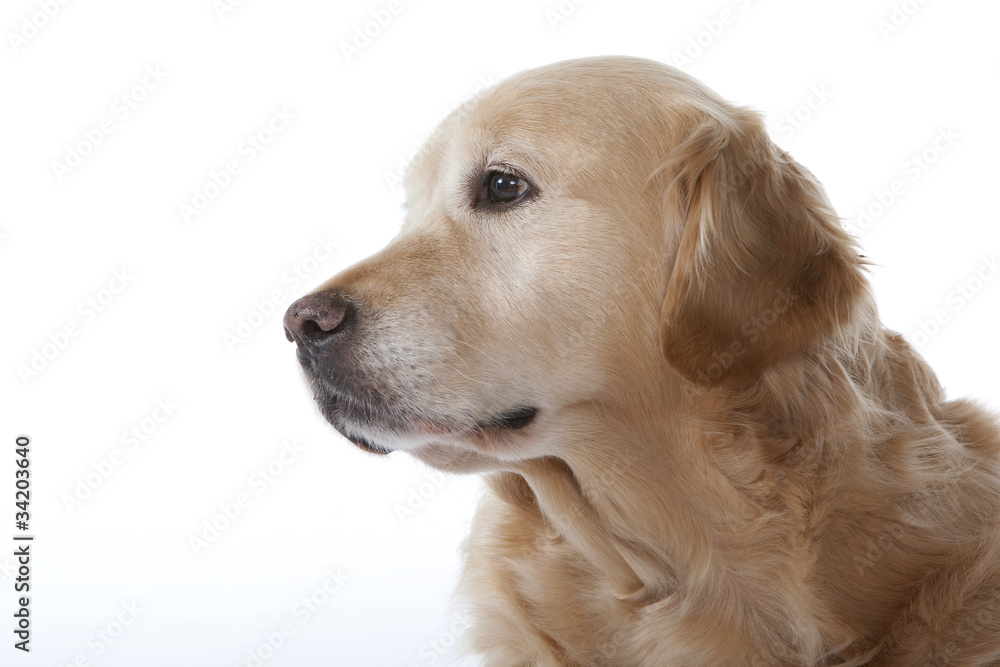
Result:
367,445
330,405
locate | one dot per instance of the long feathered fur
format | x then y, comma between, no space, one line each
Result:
814,500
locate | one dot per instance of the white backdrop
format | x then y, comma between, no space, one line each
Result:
175,174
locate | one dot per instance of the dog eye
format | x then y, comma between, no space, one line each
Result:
503,188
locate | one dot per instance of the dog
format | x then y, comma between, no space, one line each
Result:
643,324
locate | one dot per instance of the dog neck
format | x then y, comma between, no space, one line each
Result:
630,499
653,512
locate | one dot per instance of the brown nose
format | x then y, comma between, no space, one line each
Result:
317,318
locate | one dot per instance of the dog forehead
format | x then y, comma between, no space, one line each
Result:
569,125
574,106
572,114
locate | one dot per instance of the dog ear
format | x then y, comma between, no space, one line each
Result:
763,267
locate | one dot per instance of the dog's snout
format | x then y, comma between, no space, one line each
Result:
317,318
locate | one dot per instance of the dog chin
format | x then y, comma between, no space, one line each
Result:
364,443
334,413
373,432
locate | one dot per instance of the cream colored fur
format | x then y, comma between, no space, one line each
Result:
734,462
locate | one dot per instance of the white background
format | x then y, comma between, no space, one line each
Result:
878,98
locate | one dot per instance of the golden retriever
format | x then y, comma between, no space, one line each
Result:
642,322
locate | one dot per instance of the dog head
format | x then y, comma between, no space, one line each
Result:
579,240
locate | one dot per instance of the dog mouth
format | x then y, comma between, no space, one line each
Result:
380,424
512,420
365,444
356,422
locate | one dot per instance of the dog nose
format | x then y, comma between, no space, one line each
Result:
316,318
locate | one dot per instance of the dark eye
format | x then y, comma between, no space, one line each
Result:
503,188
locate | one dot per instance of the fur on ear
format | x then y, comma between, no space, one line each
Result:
763,268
